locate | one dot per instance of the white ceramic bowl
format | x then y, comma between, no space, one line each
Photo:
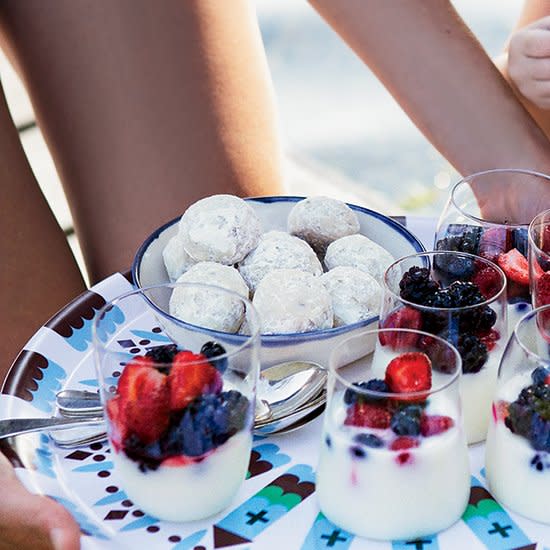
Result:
148,269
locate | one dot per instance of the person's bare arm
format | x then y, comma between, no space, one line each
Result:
525,61
435,68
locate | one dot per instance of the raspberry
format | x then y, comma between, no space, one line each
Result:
493,242
488,280
489,339
404,442
368,415
404,317
442,357
434,425
542,290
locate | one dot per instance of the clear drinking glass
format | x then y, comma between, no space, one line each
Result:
462,299
467,224
393,462
179,400
539,258
517,460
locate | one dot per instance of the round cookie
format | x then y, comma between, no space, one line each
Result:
220,228
321,220
290,300
356,295
360,252
278,250
176,259
207,307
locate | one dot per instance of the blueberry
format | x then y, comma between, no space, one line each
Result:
539,375
369,440
540,433
328,441
375,384
406,421
212,350
537,463
358,452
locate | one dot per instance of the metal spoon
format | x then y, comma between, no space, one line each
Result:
286,393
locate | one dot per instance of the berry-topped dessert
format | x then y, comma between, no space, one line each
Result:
518,444
180,439
394,451
460,300
505,246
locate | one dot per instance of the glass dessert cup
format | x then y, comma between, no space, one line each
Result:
517,457
465,225
179,417
539,258
461,298
393,462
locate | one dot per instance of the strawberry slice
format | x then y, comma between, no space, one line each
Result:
515,266
368,415
490,339
542,290
404,317
435,424
143,400
493,242
488,280
118,431
409,372
191,375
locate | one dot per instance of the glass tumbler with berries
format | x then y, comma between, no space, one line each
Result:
485,215
393,447
461,298
517,453
179,398
539,258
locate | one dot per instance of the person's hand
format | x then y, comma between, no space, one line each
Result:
31,522
519,201
529,62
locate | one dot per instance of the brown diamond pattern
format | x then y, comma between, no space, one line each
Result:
116,514
79,455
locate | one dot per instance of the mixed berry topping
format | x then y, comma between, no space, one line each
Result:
469,328
170,404
401,421
529,415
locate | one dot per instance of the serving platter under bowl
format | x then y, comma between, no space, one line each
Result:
148,269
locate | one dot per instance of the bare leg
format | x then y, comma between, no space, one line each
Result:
38,274
146,107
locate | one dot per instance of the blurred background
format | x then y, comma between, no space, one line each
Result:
344,135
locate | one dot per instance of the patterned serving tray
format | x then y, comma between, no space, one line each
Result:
276,506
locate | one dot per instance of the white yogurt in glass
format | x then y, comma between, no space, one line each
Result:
513,478
383,495
187,492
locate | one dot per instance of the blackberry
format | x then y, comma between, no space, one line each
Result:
464,293
212,350
163,354
417,286
207,422
148,456
406,421
473,352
